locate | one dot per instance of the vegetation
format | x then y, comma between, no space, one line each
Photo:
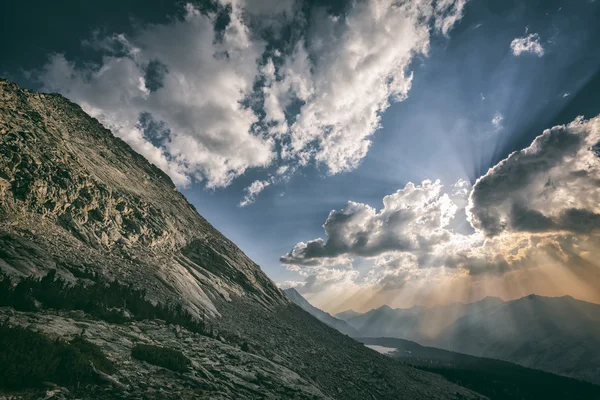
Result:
501,383
499,380
245,346
106,301
162,356
29,358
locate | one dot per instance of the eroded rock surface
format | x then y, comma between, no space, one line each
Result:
75,199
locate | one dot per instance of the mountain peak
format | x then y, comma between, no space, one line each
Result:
292,290
79,207
321,315
86,197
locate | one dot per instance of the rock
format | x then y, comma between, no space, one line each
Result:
77,314
76,199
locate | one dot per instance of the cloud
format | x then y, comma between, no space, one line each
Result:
461,189
290,284
539,208
185,75
265,7
527,44
552,185
247,95
252,191
347,71
497,121
412,219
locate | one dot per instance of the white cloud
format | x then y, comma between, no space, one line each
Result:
527,44
348,70
448,13
252,191
412,219
199,102
497,120
318,104
537,208
461,188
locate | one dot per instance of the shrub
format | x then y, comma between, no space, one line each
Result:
29,358
100,299
245,347
162,356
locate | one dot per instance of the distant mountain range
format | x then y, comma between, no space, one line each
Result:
418,323
344,315
321,315
555,334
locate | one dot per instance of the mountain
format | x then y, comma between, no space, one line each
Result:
555,334
116,282
321,315
418,323
493,378
345,315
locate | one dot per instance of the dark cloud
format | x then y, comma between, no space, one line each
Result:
551,185
527,220
579,221
155,75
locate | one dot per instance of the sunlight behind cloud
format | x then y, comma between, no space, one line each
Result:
535,214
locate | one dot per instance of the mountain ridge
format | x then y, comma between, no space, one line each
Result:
321,315
554,334
492,377
80,208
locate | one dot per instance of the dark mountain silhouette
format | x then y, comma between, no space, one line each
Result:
556,334
321,315
493,378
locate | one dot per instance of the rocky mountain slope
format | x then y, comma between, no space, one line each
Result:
78,201
321,315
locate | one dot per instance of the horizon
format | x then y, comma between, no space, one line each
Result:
450,303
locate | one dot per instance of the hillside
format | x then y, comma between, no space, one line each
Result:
493,378
107,250
321,315
559,335
556,334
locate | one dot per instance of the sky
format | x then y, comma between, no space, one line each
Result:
367,152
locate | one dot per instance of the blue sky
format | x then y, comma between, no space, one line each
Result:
473,99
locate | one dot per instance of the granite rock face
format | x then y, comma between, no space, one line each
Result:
75,199
77,194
